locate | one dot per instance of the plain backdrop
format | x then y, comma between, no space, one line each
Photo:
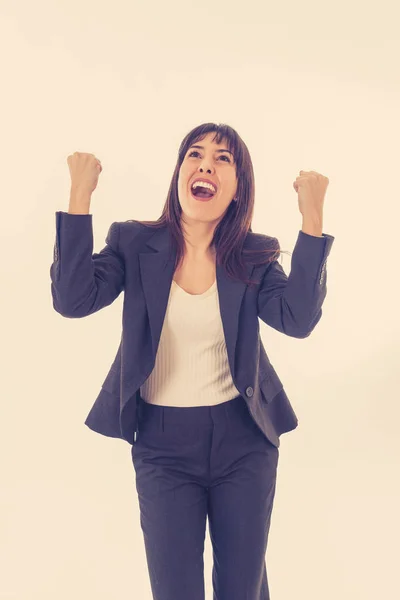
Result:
308,86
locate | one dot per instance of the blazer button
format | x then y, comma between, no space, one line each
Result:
249,391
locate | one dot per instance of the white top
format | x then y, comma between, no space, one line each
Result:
191,367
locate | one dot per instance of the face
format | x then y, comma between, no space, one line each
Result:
211,163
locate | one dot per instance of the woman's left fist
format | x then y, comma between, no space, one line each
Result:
311,188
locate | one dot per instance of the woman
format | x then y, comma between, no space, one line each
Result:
191,387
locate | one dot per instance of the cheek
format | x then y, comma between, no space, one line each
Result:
182,186
182,175
229,186
183,179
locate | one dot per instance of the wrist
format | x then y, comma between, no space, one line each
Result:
79,201
312,225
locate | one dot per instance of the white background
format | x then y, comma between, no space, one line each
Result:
308,86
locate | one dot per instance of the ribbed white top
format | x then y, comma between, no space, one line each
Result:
191,367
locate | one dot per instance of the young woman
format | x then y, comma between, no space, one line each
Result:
191,387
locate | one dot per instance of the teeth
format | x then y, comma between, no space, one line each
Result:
204,184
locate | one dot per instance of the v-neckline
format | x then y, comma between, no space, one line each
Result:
196,295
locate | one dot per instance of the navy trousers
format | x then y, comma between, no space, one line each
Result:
197,462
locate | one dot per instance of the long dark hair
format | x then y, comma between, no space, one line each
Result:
231,231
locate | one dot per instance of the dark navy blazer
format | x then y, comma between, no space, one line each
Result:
137,260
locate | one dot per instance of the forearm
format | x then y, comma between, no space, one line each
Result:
79,202
312,225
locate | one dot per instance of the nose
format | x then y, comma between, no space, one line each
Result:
204,167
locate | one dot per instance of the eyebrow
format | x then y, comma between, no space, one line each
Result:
202,148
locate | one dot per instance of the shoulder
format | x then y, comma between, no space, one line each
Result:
261,241
130,232
133,228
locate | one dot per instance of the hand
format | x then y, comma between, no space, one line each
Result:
84,169
311,189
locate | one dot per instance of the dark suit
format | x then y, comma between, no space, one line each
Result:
136,260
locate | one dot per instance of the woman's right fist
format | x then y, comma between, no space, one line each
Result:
84,169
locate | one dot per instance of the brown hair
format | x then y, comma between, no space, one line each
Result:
231,231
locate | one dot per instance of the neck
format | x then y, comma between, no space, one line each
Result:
199,253
198,240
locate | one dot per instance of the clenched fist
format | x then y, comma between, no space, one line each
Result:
84,169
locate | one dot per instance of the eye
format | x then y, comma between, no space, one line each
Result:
222,155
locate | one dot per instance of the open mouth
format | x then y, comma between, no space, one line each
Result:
202,193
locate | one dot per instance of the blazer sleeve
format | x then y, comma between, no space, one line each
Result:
293,304
82,282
